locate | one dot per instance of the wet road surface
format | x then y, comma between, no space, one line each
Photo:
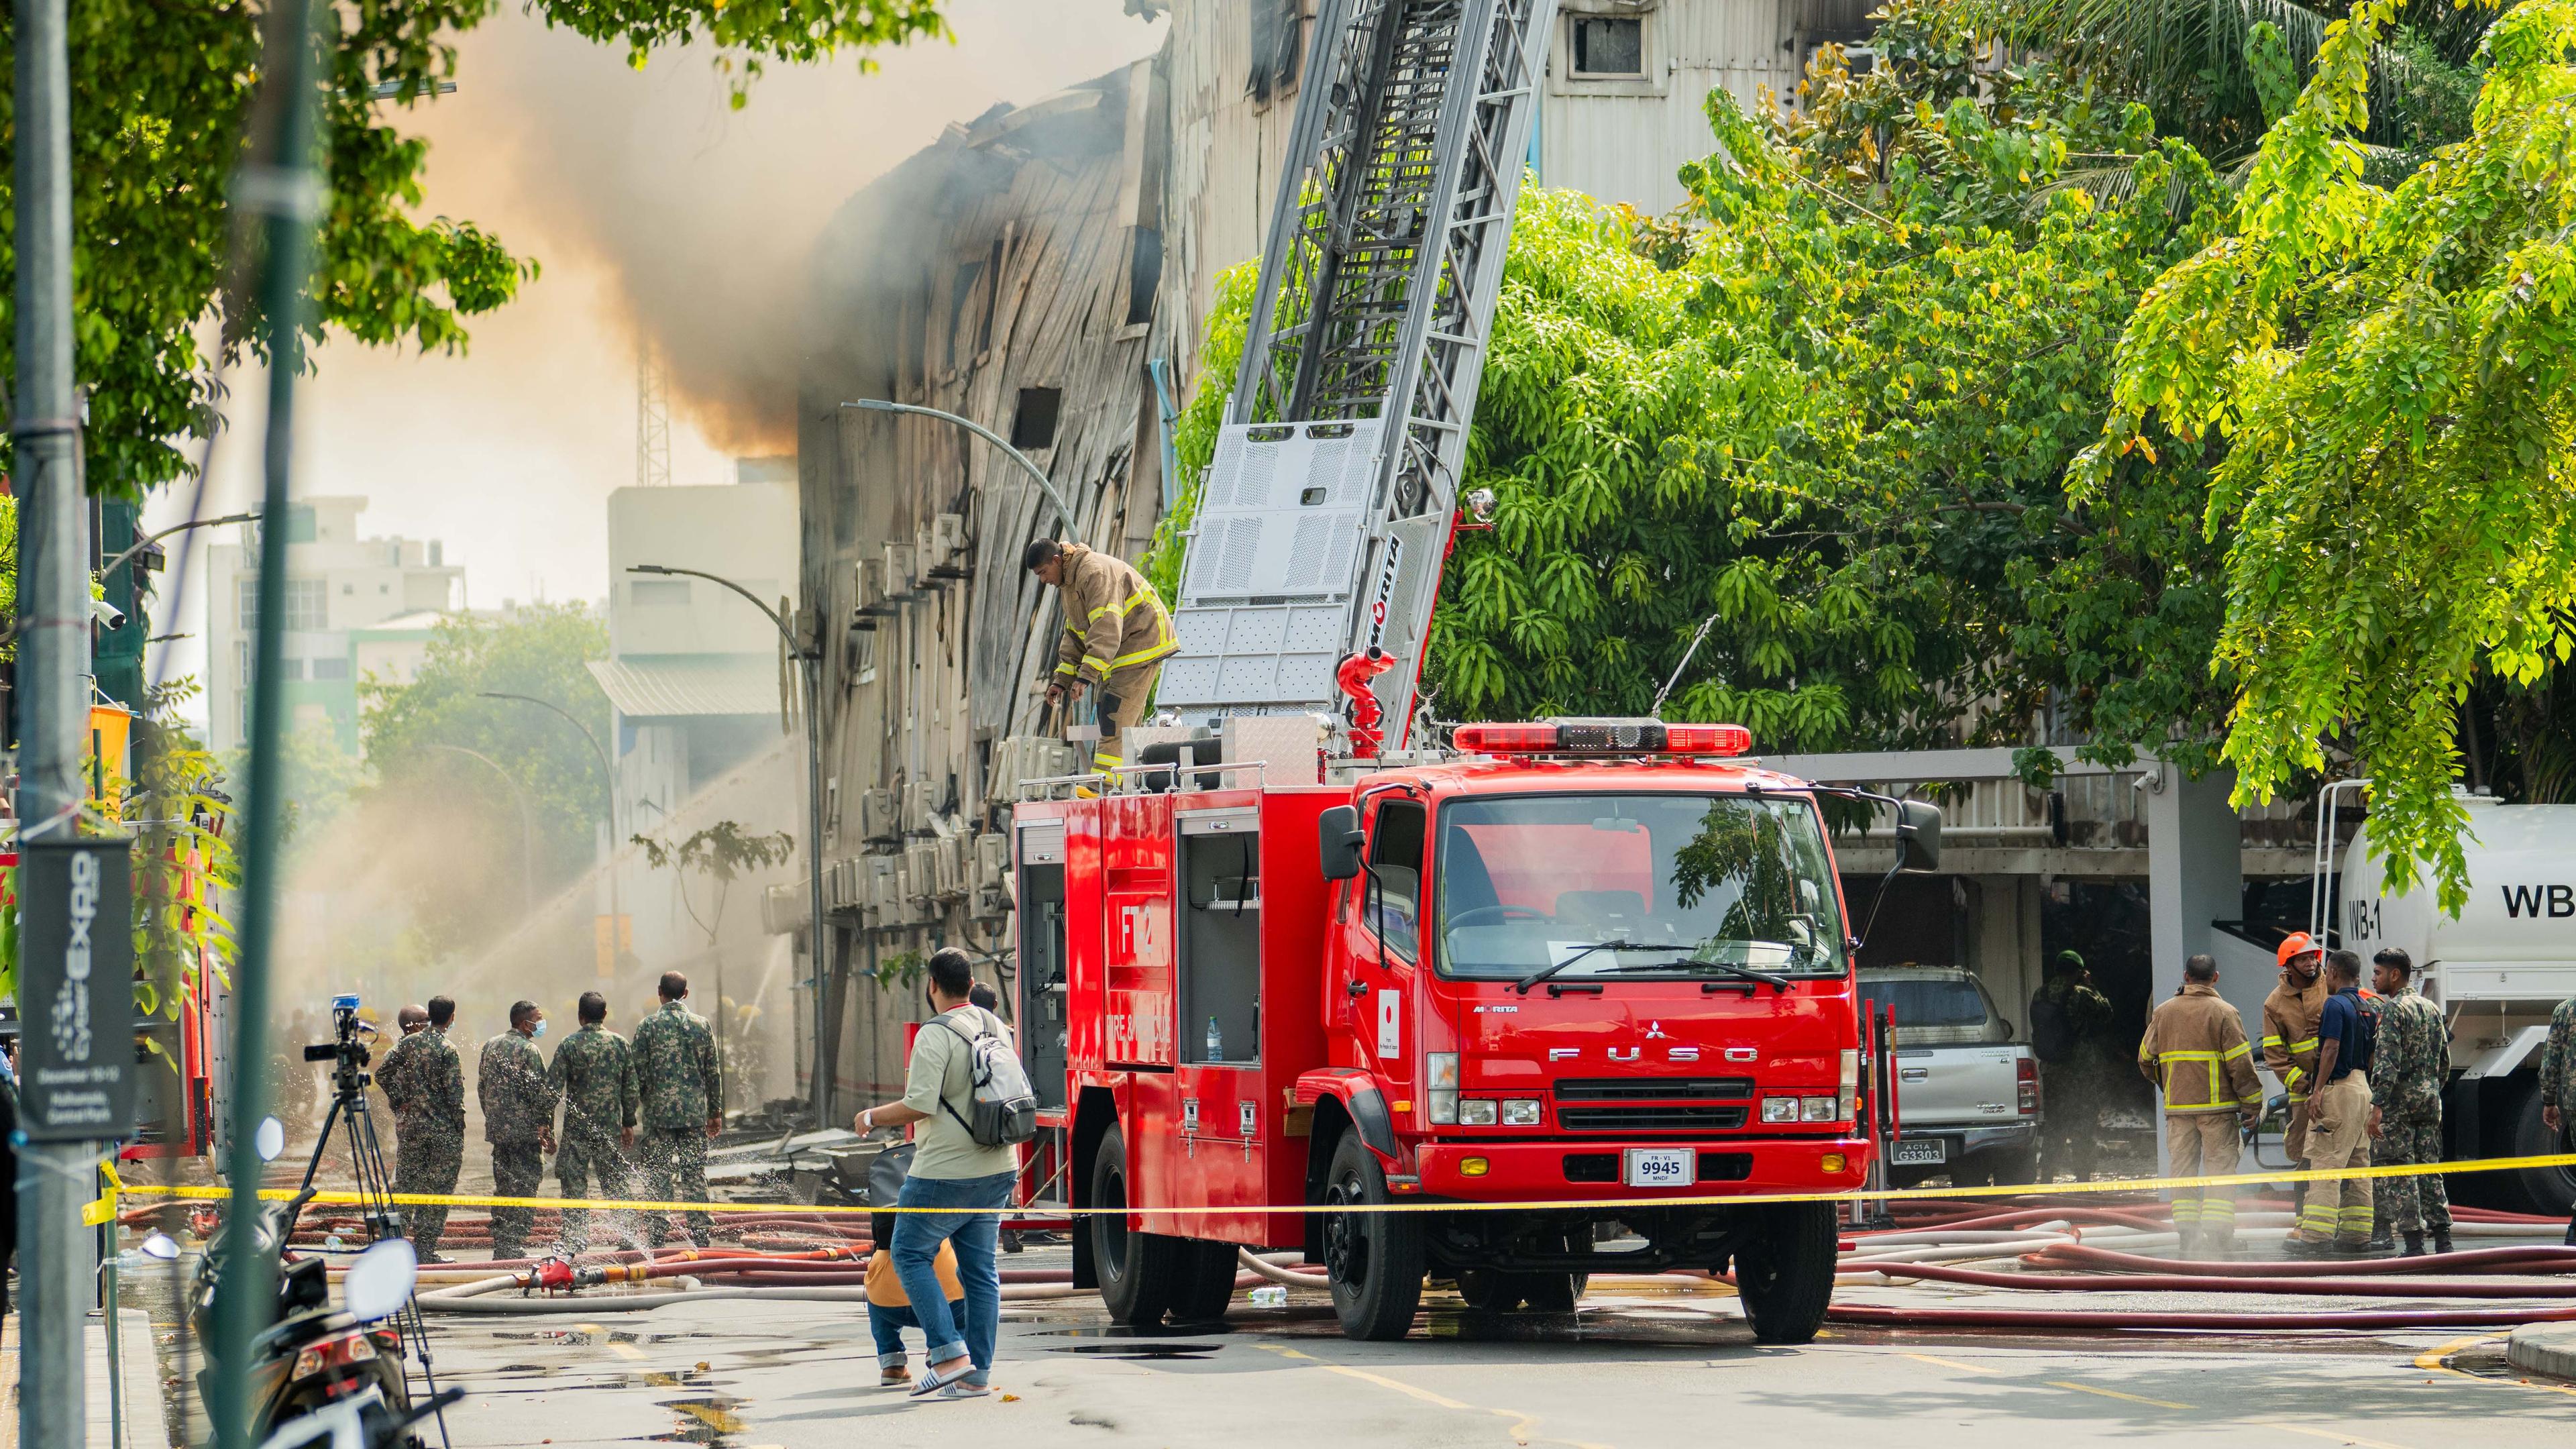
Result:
1629,1370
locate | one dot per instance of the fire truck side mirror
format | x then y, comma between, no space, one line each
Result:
1918,835
1339,841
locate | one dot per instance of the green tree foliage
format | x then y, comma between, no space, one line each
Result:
184,863
720,853
160,95
2391,377
539,651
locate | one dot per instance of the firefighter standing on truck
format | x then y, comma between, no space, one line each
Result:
1115,637
2196,1053
2290,1035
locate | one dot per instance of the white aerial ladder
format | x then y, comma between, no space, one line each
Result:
1327,510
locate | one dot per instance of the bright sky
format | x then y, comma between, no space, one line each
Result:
631,190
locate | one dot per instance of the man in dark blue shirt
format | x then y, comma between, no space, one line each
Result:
2336,1218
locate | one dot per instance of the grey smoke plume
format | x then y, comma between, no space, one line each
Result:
702,215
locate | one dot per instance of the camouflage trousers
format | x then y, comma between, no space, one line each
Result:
674,1165
518,1170
426,1160
2411,1204
582,1160
2070,1130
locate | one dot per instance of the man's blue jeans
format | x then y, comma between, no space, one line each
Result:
888,1325
973,1227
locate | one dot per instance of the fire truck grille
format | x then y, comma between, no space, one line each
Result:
1660,1117
1604,1166
1655,1089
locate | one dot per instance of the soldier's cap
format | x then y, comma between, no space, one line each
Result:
2297,943
2070,960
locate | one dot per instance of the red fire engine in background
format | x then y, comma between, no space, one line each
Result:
1579,970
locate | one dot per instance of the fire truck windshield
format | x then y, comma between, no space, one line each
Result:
1695,883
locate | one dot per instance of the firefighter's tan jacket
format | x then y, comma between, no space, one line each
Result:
2195,1050
2290,1034
1112,618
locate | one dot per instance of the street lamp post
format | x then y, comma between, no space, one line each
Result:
824,1029
608,778
527,826
1063,510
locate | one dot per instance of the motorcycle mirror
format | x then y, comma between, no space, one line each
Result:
379,1282
270,1139
161,1246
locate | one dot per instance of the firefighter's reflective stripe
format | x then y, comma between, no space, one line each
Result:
1094,661
1064,668
1146,654
2217,1085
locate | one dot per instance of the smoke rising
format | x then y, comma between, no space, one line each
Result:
700,217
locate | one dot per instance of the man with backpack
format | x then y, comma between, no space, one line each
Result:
967,1091
2067,1019
2335,1218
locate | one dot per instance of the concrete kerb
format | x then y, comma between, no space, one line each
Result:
2544,1348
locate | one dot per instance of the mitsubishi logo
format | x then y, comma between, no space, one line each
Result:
1655,1032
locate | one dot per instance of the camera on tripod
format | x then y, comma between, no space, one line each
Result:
344,1048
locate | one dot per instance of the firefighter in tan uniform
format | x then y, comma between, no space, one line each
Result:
2196,1053
2290,1033
1115,637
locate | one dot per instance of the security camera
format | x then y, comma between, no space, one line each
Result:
1481,504
103,613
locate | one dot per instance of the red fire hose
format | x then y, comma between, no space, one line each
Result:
2355,1286
2305,1320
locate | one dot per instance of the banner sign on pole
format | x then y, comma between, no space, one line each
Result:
76,1065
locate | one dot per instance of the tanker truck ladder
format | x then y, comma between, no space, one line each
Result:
1324,520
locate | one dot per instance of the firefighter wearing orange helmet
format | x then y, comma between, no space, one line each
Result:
2290,1031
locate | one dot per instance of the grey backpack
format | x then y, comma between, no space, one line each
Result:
1005,1109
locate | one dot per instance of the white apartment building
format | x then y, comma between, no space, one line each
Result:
337,583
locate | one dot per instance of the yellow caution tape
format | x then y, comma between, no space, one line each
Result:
339,1197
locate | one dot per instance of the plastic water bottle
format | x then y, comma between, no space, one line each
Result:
1215,1043
1268,1295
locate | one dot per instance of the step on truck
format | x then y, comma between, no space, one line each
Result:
1506,1016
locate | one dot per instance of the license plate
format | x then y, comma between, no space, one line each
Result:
1662,1167
1918,1151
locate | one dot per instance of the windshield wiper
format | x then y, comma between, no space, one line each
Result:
1525,983
1775,982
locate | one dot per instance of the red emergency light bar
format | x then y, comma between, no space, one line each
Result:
1604,737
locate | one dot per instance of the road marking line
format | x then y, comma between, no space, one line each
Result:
1950,1363
624,1350
1523,1425
2114,1394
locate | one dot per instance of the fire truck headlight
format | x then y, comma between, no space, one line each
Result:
1779,1109
1815,1109
1476,1112
1441,1070
1520,1112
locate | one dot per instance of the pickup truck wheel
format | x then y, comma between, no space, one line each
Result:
1374,1259
1204,1284
1785,1271
1135,1269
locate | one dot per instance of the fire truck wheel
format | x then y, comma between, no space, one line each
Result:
1205,1283
1785,1270
1135,1269
1375,1259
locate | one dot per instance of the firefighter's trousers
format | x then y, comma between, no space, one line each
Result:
2338,1140
2203,1144
1119,703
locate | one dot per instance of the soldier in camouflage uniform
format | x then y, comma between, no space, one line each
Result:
2558,1084
2075,1081
2410,1059
424,1082
675,1067
519,1122
594,1073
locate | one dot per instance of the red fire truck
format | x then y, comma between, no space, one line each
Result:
1577,971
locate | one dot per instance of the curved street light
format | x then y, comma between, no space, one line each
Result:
812,659
608,777
1063,510
527,826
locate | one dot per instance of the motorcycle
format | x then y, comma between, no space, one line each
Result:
313,1356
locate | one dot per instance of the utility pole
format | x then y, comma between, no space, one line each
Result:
54,1178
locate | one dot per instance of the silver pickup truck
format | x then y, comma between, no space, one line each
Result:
1967,1095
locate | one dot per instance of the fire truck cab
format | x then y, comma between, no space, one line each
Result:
1560,987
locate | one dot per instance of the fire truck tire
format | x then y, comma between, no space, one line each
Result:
1375,1260
1135,1269
2544,1190
1785,1271
1204,1284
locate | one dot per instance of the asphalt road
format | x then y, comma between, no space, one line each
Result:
1621,1373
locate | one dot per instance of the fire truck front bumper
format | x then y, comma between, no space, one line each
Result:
1561,1171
